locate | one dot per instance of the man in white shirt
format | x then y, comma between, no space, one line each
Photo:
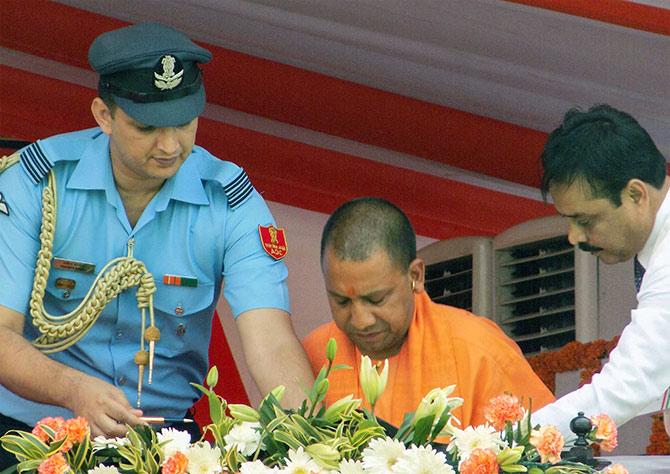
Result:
609,180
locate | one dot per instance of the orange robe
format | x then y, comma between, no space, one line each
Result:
444,346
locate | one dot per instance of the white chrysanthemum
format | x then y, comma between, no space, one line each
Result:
203,459
175,441
422,460
246,436
256,467
299,462
100,442
381,454
102,469
348,466
469,439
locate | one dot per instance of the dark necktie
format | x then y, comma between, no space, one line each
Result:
639,273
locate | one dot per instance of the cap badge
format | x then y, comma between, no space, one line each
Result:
274,241
168,79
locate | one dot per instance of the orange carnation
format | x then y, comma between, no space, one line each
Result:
56,464
74,430
548,441
176,464
480,461
605,432
616,469
54,423
502,409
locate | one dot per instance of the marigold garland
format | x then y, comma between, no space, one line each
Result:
587,358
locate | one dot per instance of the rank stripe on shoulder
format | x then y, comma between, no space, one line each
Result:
35,163
4,208
238,189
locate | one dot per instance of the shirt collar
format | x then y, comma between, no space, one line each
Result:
94,171
661,222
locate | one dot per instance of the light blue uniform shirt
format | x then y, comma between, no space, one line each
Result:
202,224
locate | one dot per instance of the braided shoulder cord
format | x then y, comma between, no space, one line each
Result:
61,332
7,161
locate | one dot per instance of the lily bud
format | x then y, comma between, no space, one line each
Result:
433,403
243,412
212,377
436,402
372,382
510,455
325,456
342,407
331,349
322,388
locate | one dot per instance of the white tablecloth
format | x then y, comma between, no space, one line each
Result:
643,464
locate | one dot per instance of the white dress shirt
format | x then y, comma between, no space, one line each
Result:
637,374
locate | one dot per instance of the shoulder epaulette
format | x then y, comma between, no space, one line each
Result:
238,189
35,162
233,180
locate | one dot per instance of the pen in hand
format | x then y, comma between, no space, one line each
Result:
164,420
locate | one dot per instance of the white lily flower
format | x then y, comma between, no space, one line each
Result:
176,440
372,382
246,436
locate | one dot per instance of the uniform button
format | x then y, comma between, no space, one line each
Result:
181,330
119,334
66,294
179,310
122,380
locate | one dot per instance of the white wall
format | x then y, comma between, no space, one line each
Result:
308,296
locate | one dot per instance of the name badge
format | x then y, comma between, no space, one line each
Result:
65,284
73,265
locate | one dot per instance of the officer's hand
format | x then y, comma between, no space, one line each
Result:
103,405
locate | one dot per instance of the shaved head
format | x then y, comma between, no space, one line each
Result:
360,227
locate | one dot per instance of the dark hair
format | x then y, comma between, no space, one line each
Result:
360,227
605,147
107,98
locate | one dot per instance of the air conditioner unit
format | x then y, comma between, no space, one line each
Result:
459,273
542,291
536,288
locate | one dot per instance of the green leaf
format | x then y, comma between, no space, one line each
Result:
80,453
405,428
286,438
216,407
441,423
201,388
306,427
422,429
29,466
274,424
24,444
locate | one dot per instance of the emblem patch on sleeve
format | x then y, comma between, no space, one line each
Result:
4,208
274,241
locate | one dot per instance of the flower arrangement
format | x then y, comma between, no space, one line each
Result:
342,438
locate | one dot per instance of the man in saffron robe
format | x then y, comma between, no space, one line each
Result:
375,286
